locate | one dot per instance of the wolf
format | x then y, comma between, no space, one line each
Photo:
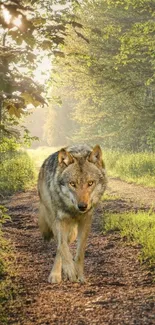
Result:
70,184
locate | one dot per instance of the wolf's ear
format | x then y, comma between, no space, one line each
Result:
95,157
64,157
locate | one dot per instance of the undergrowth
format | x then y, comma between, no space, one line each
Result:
40,154
136,227
131,167
7,289
17,172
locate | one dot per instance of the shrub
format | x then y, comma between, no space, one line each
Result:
17,172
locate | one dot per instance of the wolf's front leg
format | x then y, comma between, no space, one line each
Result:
68,266
55,275
83,231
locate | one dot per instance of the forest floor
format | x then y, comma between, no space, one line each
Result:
119,290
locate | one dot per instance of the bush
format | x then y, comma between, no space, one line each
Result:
9,144
17,172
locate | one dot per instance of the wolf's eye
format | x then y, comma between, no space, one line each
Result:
73,184
90,183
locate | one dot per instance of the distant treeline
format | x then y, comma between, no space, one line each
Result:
104,84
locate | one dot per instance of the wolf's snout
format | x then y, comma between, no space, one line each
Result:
82,206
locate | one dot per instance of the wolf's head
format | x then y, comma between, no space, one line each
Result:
81,177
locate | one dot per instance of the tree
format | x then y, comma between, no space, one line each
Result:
30,30
112,74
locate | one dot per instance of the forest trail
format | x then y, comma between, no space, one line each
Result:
119,290
144,196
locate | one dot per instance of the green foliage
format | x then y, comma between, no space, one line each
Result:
135,167
136,227
17,169
7,289
3,243
30,31
9,144
17,172
40,154
110,76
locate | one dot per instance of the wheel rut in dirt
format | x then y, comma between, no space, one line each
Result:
118,290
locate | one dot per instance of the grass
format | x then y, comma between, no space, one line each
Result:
39,154
3,218
138,168
111,197
7,288
17,172
136,227
132,167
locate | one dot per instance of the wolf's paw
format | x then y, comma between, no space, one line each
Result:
54,277
70,272
79,272
81,279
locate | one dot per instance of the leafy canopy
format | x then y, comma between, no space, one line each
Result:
29,31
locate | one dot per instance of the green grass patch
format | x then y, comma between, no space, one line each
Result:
3,243
131,167
7,289
39,154
17,172
136,227
110,197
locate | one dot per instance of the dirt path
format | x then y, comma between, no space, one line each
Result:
119,291
136,193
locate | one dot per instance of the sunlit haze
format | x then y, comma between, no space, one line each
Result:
43,70
17,21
